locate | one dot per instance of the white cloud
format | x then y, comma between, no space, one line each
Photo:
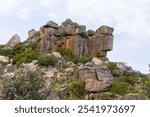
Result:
23,9
7,6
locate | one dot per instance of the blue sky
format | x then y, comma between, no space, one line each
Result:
130,19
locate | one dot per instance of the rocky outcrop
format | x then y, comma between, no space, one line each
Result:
95,79
73,36
13,41
101,42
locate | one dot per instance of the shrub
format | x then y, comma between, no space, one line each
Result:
66,53
19,48
47,60
130,79
112,66
77,90
7,52
120,87
24,85
25,57
2,46
85,59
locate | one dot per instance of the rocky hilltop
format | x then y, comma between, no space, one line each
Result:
67,62
73,36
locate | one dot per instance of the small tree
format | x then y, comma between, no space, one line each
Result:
24,84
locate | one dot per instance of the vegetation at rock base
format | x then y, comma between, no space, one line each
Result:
66,53
120,87
24,85
130,79
7,52
77,90
47,60
85,59
25,53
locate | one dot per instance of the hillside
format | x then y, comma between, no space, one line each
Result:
67,62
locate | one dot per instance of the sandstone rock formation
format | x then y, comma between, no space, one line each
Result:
73,36
13,41
96,78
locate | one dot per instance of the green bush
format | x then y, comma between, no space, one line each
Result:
47,60
120,87
146,85
112,66
130,79
25,57
7,52
2,46
24,85
19,48
66,53
77,90
85,59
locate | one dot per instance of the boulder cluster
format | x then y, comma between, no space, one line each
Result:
73,36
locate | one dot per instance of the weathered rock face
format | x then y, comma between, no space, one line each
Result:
73,36
95,78
31,34
101,42
13,41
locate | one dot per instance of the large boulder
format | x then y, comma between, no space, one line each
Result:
90,32
99,44
60,31
105,30
51,24
96,86
57,54
103,74
13,41
68,22
95,78
70,30
80,29
31,34
97,61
